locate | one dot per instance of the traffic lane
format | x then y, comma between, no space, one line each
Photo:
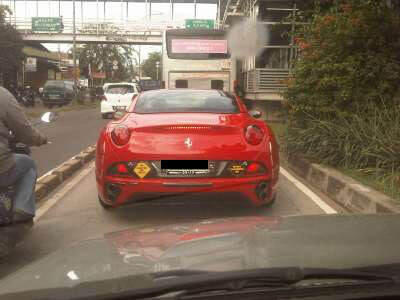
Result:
72,132
78,216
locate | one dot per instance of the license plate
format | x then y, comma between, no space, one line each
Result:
184,165
119,108
54,96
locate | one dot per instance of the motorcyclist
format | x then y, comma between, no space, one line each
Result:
18,169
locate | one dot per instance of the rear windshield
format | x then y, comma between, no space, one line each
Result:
186,101
120,89
54,83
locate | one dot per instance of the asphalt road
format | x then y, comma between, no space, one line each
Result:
76,215
71,133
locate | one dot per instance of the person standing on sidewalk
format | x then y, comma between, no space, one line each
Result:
18,169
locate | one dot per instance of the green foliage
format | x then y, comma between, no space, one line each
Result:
343,108
149,65
349,56
101,57
368,143
11,43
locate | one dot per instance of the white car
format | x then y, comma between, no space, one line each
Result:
117,96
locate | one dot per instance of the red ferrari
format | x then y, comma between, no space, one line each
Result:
186,141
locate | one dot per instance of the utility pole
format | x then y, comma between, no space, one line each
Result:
74,43
140,64
157,68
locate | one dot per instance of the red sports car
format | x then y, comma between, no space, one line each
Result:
186,141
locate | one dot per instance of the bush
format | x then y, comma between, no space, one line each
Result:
368,143
359,141
349,56
342,103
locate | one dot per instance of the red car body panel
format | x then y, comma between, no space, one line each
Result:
160,136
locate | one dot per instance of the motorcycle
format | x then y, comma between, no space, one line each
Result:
28,96
25,97
12,234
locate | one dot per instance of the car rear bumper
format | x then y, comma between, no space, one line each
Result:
106,107
116,191
55,101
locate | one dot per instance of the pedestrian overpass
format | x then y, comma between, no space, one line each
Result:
140,22
105,32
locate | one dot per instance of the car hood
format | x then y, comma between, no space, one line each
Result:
326,241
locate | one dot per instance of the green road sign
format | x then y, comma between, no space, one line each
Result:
199,23
46,24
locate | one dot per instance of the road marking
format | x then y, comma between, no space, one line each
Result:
63,191
309,193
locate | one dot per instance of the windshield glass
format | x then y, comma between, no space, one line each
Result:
168,138
54,83
186,101
120,89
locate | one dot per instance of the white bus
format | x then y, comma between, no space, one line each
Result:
198,59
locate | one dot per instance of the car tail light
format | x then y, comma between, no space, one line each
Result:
253,134
134,97
122,169
103,98
120,135
253,168
245,168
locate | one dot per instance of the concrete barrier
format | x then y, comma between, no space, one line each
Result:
344,190
49,182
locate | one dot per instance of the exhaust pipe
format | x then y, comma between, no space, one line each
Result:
261,190
112,191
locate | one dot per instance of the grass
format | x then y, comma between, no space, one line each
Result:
387,187
74,105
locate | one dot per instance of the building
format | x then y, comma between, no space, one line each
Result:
262,77
39,66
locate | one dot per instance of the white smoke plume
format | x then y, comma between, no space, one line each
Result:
246,39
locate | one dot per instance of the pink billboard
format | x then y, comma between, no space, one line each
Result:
199,46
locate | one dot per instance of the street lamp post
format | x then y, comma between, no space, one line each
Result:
157,67
74,43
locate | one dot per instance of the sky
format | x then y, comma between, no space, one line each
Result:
135,14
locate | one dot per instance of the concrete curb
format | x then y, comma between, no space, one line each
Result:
51,181
342,189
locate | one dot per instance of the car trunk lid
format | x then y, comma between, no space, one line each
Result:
186,136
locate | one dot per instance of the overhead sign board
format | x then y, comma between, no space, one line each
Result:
40,24
199,23
30,65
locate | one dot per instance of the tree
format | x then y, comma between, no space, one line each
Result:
343,93
11,43
349,58
149,65
101,57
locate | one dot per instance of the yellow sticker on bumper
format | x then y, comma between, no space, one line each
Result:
141,169
237,169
